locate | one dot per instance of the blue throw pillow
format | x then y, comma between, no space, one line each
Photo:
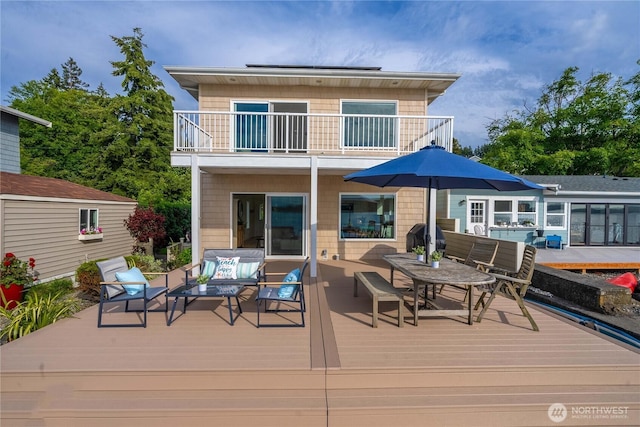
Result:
133,275
286,291
293,276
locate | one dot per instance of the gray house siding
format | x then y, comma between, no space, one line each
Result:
47,230
10,143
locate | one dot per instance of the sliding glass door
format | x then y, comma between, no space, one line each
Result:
286,225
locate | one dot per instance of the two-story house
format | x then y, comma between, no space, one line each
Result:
269,146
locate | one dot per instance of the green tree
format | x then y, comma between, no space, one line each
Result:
64,150
136,145
71,73
576,128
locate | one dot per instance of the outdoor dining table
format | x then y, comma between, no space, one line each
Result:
448,273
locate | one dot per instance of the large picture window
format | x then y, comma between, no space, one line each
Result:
367,216
366,129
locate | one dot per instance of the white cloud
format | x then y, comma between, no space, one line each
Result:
505,51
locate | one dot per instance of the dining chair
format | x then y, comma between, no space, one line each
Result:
513,286
481,256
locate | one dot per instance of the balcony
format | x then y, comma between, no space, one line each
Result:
330,134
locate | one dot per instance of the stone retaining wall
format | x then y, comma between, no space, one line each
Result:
589,292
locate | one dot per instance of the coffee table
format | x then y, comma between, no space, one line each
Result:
190,291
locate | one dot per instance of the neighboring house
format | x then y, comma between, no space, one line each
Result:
584,210
10,137
270,145
43,217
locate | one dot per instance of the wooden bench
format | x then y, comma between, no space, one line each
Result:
380,290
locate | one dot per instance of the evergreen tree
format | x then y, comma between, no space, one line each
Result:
136,145
71,73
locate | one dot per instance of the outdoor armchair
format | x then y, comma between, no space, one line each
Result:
121,284
289,292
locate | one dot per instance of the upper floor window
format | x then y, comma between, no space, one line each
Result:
251,126
366,128
367,216
555,214
89,221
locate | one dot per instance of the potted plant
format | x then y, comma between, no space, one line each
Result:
202,280
419,251
436,256
15,274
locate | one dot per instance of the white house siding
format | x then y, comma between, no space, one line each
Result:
48,231
216,227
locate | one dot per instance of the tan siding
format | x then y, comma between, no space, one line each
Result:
321,100
48,232
216,197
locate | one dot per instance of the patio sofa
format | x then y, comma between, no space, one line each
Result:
250,268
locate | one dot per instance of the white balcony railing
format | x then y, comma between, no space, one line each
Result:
204,131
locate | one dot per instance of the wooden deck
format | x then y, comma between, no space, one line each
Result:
338,371
591,258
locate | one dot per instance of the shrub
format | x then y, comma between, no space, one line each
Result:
146,263
62,286
145,224
88,279
35,312
182,258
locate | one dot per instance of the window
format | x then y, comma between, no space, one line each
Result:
367,216
514,213
88,221
366,128
526,212
502,212
555,214
251,129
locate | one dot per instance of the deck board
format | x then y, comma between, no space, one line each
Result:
337,371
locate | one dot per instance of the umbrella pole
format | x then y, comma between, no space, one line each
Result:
430,234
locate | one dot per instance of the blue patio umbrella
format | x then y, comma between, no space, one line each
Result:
434,168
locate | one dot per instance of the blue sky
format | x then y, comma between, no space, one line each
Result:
506,51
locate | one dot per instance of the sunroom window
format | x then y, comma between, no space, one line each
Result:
367,216
363,126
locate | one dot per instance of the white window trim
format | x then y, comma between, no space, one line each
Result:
514,209
88,218
367,101
565,214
